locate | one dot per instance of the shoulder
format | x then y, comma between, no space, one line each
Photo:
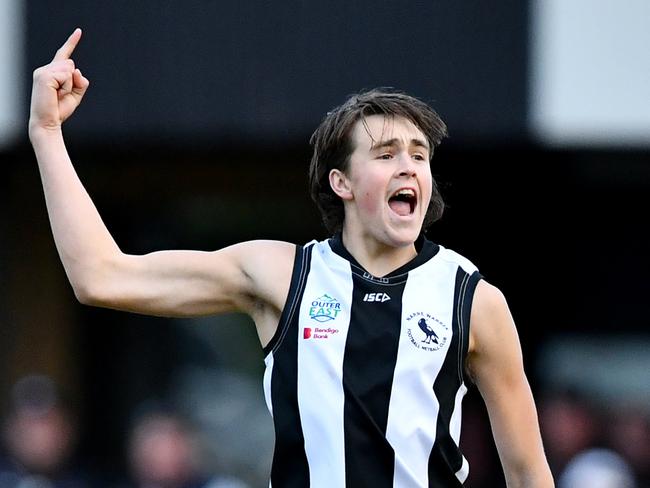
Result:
266,267
491,322
488,299
255,256
457,259
263,246
262,260
257,268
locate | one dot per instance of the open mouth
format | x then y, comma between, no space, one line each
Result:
403,202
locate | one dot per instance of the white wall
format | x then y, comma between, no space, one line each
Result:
12,75
590,72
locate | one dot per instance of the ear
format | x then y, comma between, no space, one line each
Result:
340,184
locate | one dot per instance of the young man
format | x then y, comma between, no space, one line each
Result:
370,337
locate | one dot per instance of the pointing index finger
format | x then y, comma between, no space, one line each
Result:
65,51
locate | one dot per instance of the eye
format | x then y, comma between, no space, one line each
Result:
419,157
385,156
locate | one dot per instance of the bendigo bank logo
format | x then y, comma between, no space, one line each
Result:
324,308
318,333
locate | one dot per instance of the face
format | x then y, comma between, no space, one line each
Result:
162,453
387,187
41,441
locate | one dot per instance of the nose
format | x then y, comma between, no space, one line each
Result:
407,166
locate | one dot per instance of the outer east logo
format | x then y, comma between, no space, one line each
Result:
430,334
324,308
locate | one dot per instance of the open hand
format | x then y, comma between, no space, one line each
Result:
57,89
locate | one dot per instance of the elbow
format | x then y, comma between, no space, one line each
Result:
86,294
95,295
92,283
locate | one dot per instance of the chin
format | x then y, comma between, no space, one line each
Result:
400,237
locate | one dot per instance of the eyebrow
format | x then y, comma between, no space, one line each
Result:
395,142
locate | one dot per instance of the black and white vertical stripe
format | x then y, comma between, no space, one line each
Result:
370,405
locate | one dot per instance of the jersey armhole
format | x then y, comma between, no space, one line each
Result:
464,312
298,278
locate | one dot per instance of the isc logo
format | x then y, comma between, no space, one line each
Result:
376,297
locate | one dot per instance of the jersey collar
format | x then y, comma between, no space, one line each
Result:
424,247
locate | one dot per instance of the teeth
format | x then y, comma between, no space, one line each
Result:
406,192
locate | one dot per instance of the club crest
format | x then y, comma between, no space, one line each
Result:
426,332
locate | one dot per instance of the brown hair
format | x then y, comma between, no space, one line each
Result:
332,143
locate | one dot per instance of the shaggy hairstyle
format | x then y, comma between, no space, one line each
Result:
333,145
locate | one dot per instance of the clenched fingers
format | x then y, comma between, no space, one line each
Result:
79,84
57,74
79,80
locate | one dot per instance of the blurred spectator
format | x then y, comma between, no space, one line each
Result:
597,468
588,440
163,453
628,433
569,426
39,437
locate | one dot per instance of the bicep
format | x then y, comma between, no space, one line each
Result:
495,362
179,283
185,283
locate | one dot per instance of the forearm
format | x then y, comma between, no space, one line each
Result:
530,478
524,461
514,422
82,240
497,365
178,283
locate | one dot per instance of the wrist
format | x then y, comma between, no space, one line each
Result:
38,132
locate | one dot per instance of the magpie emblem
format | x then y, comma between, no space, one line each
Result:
436,332
430,333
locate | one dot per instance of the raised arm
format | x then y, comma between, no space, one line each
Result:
495,362
252,277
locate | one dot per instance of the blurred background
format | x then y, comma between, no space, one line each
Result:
194,134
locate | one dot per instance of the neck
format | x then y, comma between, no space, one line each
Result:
378,258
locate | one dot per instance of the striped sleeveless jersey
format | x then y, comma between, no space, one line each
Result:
364,376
